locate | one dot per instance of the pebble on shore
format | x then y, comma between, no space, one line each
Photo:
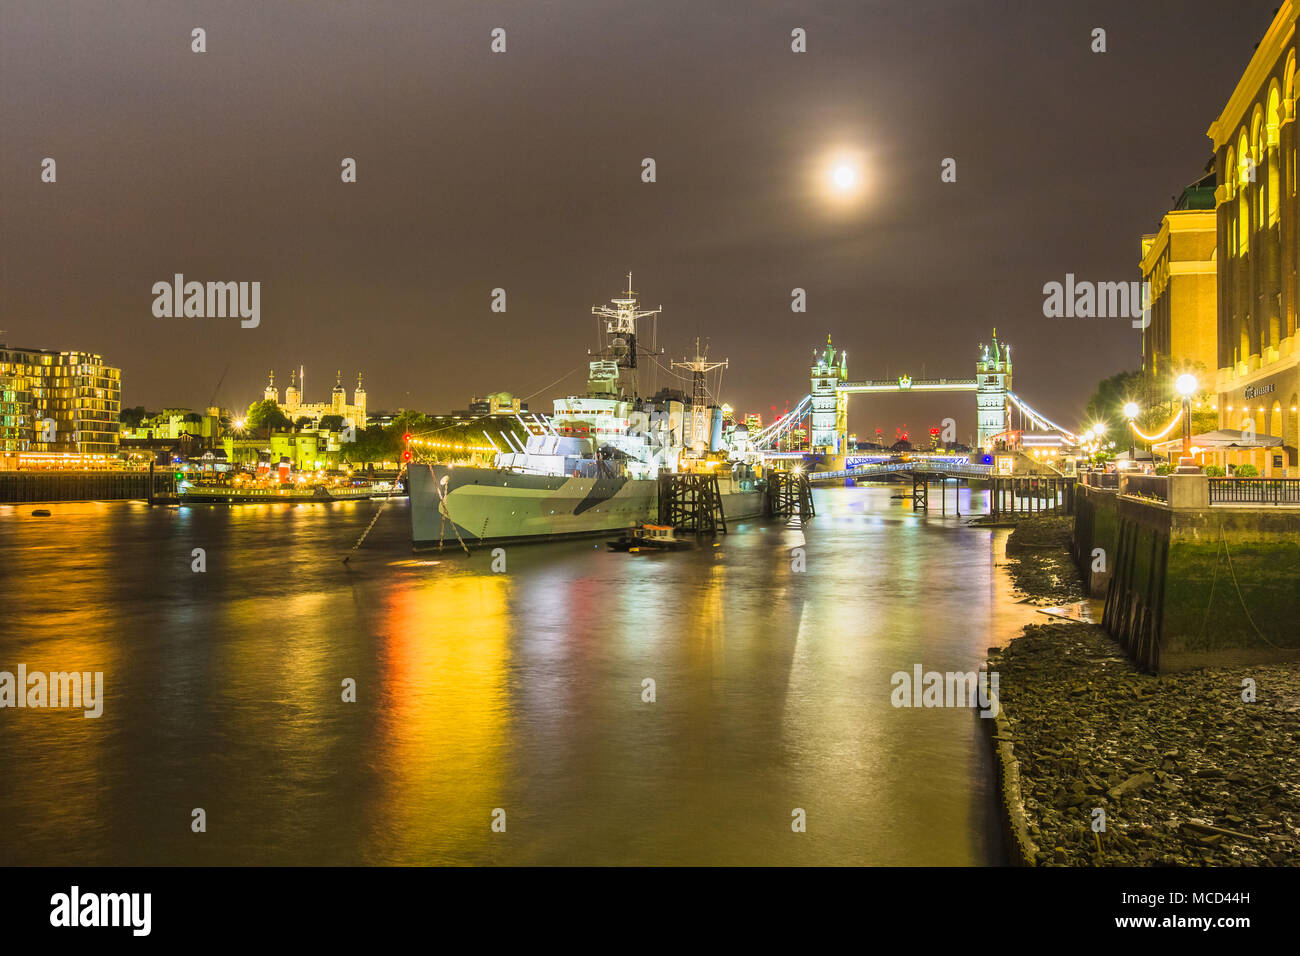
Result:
1184,768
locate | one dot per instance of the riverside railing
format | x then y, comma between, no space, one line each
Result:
1256,491
1100,479
1145,486
1222,491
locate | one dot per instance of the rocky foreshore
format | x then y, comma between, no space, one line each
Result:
1038,557
1116,767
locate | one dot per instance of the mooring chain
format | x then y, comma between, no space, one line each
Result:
442,510
387,498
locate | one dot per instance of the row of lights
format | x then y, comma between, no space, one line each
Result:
448,445
1092,439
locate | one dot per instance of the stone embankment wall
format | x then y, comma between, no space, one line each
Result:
38,486
1192,587
1021,848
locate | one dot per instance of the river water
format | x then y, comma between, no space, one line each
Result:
478,692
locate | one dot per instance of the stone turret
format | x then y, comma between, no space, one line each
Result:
338,396
829,406
359,401
271,393
992,383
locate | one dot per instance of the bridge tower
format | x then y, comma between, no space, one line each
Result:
830,408
993,382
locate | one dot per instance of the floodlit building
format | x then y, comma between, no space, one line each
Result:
305,450
992,384
497,403
1180,268
1258,367
171,423
295,405
58,402
830,407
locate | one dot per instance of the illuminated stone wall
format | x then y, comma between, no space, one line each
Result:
1256,211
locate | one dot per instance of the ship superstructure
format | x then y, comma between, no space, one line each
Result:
593,465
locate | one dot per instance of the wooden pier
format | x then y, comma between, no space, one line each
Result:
789,495
1030,494
691,503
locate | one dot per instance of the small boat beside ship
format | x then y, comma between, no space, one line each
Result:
651,537
240,493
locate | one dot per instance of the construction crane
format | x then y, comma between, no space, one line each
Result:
217,388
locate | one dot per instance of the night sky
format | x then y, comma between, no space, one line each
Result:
522,171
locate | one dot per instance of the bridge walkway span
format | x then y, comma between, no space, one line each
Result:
937,468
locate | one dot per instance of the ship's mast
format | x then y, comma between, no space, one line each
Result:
620,328
699,425
698,366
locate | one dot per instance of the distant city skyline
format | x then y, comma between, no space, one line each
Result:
224,166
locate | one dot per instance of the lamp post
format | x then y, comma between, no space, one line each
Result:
1186,386
1131,413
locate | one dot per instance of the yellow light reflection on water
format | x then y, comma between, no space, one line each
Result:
61,750
443,716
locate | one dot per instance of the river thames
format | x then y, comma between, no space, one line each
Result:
476,691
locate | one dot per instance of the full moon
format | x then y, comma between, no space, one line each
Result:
838,177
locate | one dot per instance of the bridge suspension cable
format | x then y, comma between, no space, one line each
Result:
771,435
1038,419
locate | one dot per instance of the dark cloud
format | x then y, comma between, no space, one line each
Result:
522,171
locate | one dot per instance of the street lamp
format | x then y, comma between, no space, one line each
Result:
1098,432
1131,413
1186,387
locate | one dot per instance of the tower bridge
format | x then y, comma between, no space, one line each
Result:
826,406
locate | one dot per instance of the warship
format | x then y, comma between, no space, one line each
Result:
593,466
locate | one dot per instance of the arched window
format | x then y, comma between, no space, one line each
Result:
1273,121
1288,94
1291,430
1260,156
1230,191
1245,173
